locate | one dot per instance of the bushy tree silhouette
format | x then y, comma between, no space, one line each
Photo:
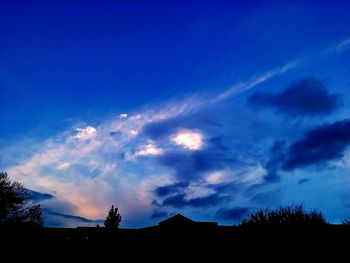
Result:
15,207
113,219
290,215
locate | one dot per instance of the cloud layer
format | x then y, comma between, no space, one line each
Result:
208,156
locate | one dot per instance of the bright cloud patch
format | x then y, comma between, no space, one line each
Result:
63,166
85,133
215,177
149,150
190,140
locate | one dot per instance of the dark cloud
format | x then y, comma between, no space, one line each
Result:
159,214
177,201
320,144
233,214
170,189
273,165
303,181
230,188
189,165
72,217
156,203
115,134
307,96
207,201
220,142
37,196
180,201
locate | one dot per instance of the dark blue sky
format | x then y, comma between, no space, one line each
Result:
67,66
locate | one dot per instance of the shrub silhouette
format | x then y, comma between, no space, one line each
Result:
290,215
15,208
113,219
346,222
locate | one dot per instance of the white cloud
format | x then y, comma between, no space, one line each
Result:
149,150
85,133
254,174
133,132
343,163
198,191
123,115
248,175
63,166
190,140
216,177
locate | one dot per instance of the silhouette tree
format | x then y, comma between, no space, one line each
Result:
15,207
290,215
113,219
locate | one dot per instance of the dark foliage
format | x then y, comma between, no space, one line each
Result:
15,208
346,222
113,219
290,215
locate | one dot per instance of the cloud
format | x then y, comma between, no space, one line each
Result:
63,166
85,133
306,97
164,128
228,93
232,214
123,115
343,45
273,165
180,201
36,196
56,219
166,190
191,165
303,181
149,150
215,177
190,140
321,144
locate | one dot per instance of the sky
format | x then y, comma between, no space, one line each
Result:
211,110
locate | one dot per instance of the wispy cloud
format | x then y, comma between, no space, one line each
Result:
149,150
343,45
240,87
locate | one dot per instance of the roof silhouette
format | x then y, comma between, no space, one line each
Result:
177,219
